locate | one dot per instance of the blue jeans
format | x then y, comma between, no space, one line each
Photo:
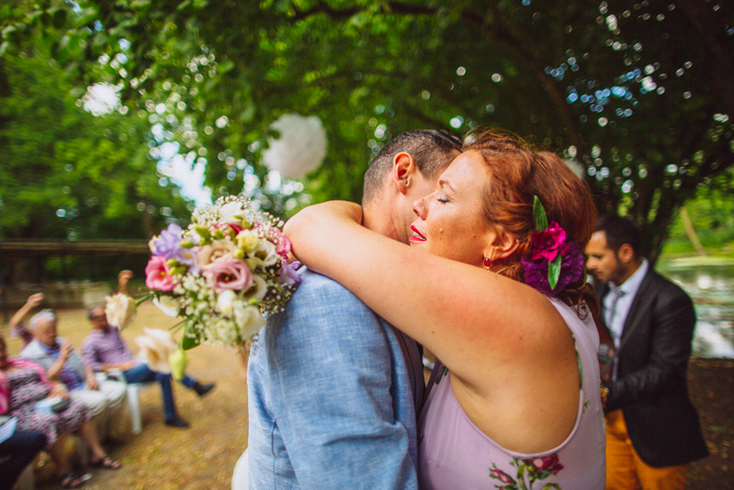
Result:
142,373
20,448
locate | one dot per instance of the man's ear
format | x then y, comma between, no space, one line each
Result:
403,171
626,253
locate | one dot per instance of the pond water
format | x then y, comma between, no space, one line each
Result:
710,283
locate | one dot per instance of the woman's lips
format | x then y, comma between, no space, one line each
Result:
416,236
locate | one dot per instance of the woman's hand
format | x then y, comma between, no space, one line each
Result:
59,390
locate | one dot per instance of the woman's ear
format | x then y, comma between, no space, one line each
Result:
403,171
502,246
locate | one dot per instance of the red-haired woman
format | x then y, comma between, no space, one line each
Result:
494,285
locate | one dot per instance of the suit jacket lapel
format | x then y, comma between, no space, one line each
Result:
642,300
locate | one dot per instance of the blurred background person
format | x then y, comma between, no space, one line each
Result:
653,431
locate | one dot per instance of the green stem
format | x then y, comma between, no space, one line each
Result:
144,297
177,326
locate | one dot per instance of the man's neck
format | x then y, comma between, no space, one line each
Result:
53,346
376,217
633,267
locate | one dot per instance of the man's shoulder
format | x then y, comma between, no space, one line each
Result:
323,308
317,289
90,340
656,282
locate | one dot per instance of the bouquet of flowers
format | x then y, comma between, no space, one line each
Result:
222,272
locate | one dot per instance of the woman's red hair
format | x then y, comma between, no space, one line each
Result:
517,174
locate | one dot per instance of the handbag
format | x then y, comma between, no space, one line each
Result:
61,406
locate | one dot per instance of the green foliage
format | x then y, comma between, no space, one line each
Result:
712,213
68,174
638,93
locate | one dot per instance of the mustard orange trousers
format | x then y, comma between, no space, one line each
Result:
625,469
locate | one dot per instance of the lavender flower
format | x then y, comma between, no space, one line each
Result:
168,245
289,273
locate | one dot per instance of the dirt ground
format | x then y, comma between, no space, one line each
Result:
204,455
711,382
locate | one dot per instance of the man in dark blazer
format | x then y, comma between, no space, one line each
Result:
653,430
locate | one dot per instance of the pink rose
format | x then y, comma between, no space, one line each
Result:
547,244
502,476
550,464
281,242
158,274
230,274
228,226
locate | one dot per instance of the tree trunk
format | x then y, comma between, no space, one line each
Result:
690,231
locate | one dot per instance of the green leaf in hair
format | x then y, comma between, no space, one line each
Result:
539,216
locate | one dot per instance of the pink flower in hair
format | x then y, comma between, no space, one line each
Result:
547,244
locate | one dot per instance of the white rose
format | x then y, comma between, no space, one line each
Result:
258,289
155,348
232,213
120,310
265,254
248,320
168,305
226,301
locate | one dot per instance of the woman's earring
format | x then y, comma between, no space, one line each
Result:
489,259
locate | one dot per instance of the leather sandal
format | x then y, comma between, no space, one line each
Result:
70,480
106,462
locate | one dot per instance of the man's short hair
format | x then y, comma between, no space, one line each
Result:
90,310
431,150
46,314
618,231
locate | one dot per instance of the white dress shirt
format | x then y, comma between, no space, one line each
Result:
615,315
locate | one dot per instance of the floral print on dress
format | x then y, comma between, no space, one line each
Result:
529,472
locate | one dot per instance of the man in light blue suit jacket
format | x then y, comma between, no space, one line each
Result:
334,391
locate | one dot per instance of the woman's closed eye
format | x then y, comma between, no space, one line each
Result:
443,199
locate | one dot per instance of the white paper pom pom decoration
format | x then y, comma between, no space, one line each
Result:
300,149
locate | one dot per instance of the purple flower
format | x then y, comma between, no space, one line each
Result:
289,273
168,245
547,244
572,266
